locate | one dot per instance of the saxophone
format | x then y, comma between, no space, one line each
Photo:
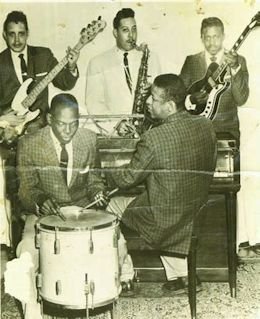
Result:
140,98
135,126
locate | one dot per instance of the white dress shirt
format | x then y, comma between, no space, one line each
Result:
69,149
17,62
107,91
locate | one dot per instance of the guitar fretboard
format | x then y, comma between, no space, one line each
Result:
32,96
235,48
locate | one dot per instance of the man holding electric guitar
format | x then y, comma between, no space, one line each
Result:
20,61
216,79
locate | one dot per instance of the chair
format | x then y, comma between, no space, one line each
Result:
136,243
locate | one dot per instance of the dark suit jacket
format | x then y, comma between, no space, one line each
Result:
176,161
40,60
40,174
226,120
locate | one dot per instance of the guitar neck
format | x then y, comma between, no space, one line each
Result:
37,90
235,48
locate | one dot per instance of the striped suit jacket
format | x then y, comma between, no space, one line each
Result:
176,161
226,120
40,174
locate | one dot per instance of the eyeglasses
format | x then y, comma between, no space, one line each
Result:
64,125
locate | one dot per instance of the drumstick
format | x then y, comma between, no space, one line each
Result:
98,200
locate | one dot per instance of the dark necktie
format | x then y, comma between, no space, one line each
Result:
23,66
127,72
64,159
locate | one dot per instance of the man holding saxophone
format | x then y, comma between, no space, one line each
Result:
112,75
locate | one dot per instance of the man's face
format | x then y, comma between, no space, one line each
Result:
16,36
64,124
156,104
212,38
126,34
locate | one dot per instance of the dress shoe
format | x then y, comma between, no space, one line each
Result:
180,285
198,283
127,288
175,286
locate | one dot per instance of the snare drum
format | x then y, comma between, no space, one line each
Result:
78,259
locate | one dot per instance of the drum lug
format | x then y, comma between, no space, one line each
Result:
38,286
115,239
58,287
37,236
91,244
92,291
117,281
56,243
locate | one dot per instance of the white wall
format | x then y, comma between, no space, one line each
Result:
170,28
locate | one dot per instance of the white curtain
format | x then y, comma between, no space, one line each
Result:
249,195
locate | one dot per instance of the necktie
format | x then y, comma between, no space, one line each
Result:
23,66
127,72
64,159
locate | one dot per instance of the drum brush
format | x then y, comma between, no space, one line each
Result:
98,200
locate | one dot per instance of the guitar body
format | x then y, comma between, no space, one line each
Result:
18,107
214,89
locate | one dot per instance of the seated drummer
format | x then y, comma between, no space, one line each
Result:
57,167
175,161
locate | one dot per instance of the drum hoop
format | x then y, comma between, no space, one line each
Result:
56,305
77,228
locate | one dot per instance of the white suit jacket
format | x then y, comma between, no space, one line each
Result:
107,91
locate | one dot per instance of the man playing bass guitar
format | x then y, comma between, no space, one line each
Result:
207,63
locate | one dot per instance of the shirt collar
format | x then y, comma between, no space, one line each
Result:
15,55
219,57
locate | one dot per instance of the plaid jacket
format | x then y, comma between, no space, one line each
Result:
176,161
226,120
40,174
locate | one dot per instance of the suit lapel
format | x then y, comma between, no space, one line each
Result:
11,70
30,67
202,63
51,158
79,155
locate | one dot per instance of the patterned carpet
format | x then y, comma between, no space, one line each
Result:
214,302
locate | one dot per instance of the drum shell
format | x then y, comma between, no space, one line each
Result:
66,270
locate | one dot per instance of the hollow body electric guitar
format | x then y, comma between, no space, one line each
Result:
22,101
214,82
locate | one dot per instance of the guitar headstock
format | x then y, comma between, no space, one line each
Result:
91,31
255,22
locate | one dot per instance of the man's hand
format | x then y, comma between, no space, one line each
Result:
125,128
103,200
12,118
199,98
72,56
231,58
50,207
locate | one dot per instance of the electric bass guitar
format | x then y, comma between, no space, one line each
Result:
23,101
214,82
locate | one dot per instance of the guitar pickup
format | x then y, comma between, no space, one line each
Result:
211,82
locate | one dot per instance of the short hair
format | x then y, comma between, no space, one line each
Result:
211,22
123,14
65,100
174,89
16,16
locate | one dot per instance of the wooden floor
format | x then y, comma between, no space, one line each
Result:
212,248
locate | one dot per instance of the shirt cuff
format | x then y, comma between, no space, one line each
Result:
234,71
188,104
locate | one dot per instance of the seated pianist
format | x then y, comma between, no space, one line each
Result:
71,178
175,161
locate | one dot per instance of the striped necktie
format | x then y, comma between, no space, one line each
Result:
64,159
127,72
23,66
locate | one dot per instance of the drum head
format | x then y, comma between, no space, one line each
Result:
76,220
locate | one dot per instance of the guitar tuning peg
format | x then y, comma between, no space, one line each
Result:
89,25
83,30
99,18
